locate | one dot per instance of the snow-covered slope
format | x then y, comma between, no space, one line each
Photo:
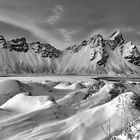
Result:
95,123
23,103
10,88
96,112
98,55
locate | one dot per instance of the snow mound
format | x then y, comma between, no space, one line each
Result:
70,86
73,97
63,85
9,88
23,103
87,84
95,123
99,98
71,112
76,86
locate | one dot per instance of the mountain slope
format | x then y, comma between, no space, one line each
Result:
98,55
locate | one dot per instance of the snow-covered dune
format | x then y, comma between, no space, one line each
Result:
9,88
95,123
23,103
43,112
101,97
73,98
63,85
72,86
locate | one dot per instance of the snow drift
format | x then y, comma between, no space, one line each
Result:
100,112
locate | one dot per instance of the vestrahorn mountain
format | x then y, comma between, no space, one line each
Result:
98,55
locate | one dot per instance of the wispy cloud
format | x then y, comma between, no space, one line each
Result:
127,29
29,25
130,30
56,16
67,35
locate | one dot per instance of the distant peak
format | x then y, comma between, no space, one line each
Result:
97,40
115,34
115,39
97,36
2,39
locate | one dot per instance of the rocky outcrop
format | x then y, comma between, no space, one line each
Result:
98,50
76,48
116,39
45,50
118,88
19,44
104,56
131,53
2,40
96,41
98,46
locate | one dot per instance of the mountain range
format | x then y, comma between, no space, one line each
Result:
98,55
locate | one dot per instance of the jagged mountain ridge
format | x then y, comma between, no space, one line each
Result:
98,55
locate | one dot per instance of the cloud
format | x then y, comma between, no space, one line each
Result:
52,21
30,25
57,14
127,29
67,35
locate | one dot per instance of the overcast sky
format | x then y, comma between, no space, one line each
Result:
65,22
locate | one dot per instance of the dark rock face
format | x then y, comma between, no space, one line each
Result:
104,57
84,43
98,45
131,53
118,88
93,54
116,39
76,48
19,45
45,49
2,40
96,41
98,48
98,84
